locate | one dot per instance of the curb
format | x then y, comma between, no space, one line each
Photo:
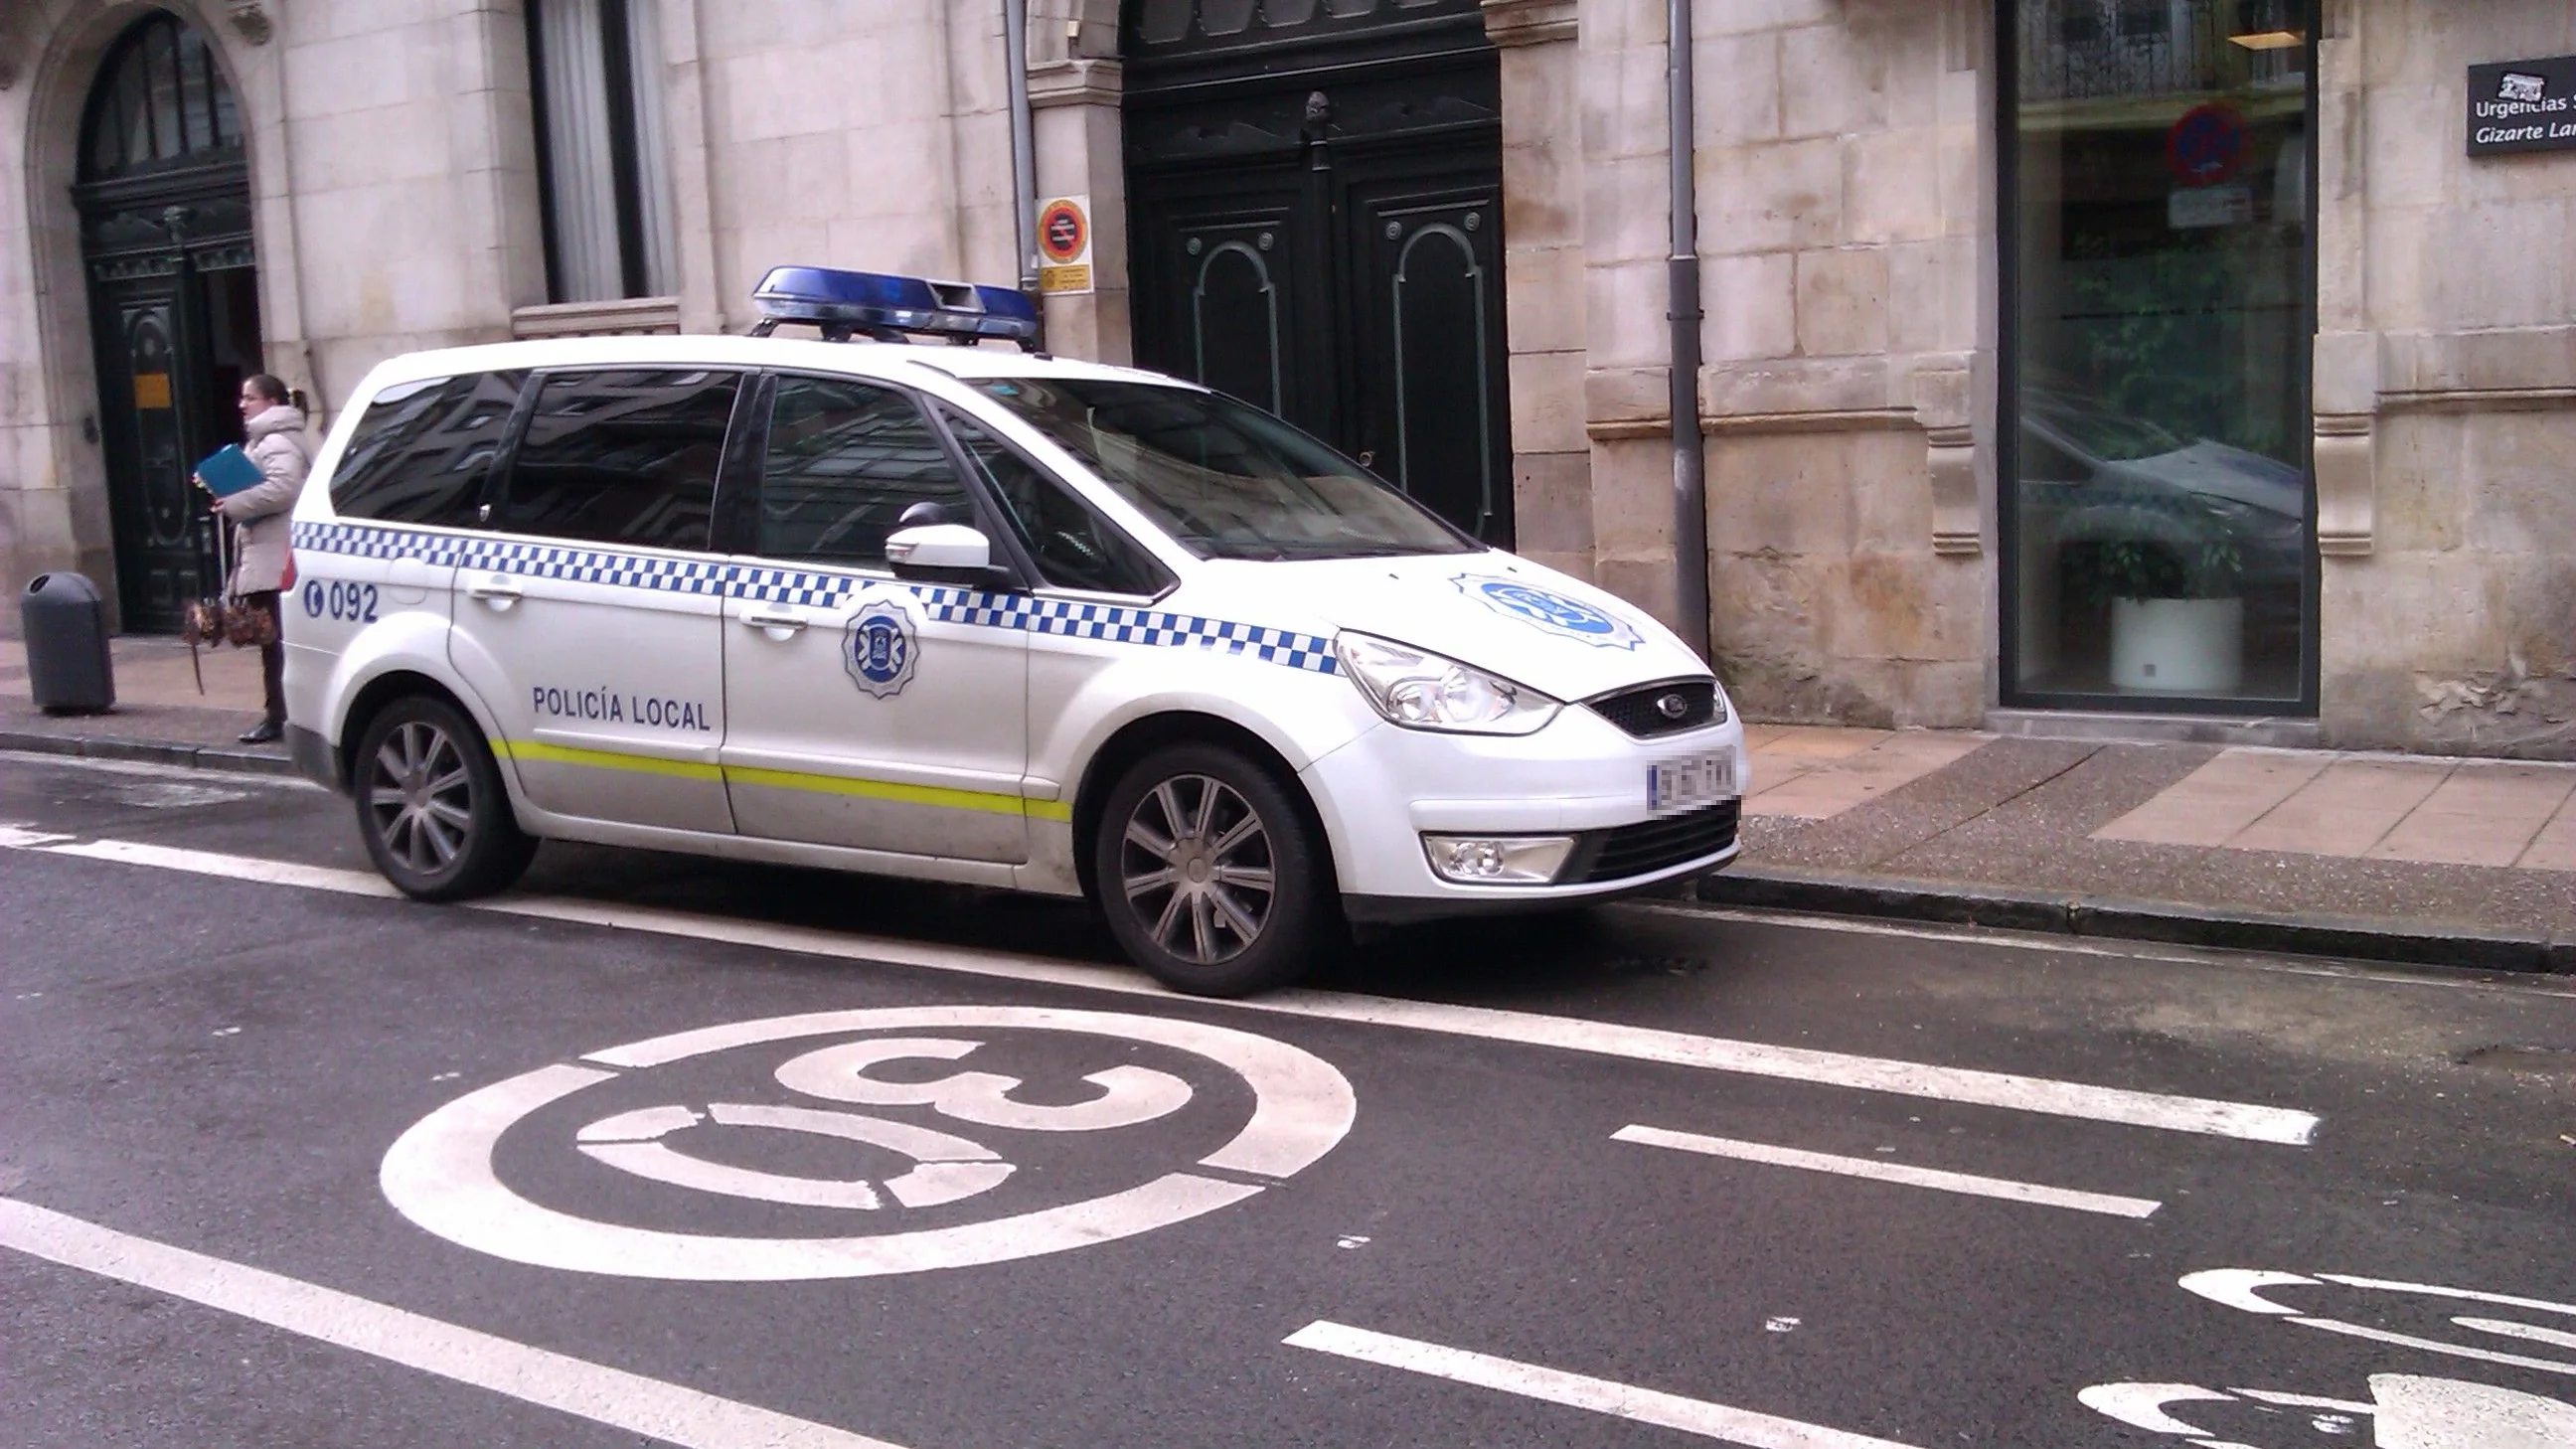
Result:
225,758
2116,918
2353,938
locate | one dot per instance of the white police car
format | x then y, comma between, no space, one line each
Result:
965,614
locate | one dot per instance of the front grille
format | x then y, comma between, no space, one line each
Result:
1653,845
1634,710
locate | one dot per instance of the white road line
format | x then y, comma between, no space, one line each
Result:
2010,1091
1601,1396
2002,1187
603,1395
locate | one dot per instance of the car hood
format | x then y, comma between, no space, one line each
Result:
1501,613
2225,472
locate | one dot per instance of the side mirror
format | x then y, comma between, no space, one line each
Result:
942,553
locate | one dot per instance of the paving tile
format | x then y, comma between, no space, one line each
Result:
2313,884
2554,848
2482,815
2218,800
1913,813
1824,790
2346,809
1821,742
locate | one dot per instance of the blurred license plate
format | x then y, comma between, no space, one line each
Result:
1674,786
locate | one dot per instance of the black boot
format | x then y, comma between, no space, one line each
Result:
264,732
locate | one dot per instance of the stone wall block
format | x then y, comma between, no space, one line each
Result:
1627,209
1775,387
1892,187
1552,505
1614,395
1632,499
1736,88
1833,80
1931,295
1622,102
1543,298
1770,198
1624,307
1887,471
1842,302
1781,493
1751,306
1547,401
1623,25
1543,191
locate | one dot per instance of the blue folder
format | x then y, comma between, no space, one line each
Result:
228,470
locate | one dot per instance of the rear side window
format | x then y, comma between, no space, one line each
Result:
422,450
622,457
1075,548
845,461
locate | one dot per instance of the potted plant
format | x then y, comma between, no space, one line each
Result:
2177,615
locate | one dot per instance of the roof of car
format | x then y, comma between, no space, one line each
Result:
887,360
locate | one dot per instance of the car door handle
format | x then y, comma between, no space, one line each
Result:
776,623
500,593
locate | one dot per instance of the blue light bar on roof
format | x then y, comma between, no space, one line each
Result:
877,303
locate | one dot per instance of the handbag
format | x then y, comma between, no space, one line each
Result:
224,618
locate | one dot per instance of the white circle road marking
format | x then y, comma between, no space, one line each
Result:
440,1175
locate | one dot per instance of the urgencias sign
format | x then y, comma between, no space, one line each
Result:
2522,105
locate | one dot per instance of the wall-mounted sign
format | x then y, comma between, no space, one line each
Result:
2522,105
2207,144
1064,245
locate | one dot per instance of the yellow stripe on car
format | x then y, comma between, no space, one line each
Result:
939,795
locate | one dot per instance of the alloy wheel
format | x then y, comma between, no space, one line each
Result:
1197,869
420,796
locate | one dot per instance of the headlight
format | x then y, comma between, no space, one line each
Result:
1421,690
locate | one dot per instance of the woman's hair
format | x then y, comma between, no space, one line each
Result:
267,387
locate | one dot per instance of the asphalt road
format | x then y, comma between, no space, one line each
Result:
287,1162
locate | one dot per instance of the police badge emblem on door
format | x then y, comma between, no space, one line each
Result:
879,649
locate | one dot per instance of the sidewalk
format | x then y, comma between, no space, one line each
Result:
2468,863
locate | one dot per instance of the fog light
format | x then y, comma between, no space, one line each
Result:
1497,859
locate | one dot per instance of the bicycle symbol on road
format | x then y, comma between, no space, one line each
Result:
2404,1411
922,1197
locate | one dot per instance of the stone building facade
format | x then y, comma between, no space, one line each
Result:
2167,360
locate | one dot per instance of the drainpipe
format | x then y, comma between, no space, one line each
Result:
1690,467
1024,169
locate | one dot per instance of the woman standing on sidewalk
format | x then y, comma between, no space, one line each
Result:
273,435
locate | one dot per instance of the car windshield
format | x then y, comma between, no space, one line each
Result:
1225,479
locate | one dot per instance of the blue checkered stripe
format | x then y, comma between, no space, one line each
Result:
364,541
1130,626
977,607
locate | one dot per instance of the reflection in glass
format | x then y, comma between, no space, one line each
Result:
2162,325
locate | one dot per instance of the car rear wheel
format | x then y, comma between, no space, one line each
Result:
431,804
1209,874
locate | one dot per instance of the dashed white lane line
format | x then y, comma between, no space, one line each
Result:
2013,1092
1578,1391
603,1395
1961,1182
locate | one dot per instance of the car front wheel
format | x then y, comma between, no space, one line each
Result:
1208,873
431,804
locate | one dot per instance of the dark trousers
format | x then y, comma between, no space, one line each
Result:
272,656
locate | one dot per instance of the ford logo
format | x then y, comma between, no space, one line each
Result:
1672,706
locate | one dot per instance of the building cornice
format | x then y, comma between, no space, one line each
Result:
1076,82
1528,22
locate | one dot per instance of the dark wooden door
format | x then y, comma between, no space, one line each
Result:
1316,227
151,426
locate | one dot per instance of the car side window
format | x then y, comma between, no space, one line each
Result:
845,461
421,451
622,457
1075,548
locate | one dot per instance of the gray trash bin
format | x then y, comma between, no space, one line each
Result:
68,670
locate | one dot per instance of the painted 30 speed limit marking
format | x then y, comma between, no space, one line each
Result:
941,1107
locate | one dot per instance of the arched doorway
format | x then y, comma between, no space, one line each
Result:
164,200
1315,225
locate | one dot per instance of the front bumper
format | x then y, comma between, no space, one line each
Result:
1580,776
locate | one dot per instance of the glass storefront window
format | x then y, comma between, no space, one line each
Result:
2159,540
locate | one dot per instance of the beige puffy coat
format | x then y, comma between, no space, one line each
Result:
259,512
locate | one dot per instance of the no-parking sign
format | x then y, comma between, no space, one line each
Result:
1064,245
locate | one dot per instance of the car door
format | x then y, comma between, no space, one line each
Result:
864,711
590,615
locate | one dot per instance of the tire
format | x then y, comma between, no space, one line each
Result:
1209,874
431,804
